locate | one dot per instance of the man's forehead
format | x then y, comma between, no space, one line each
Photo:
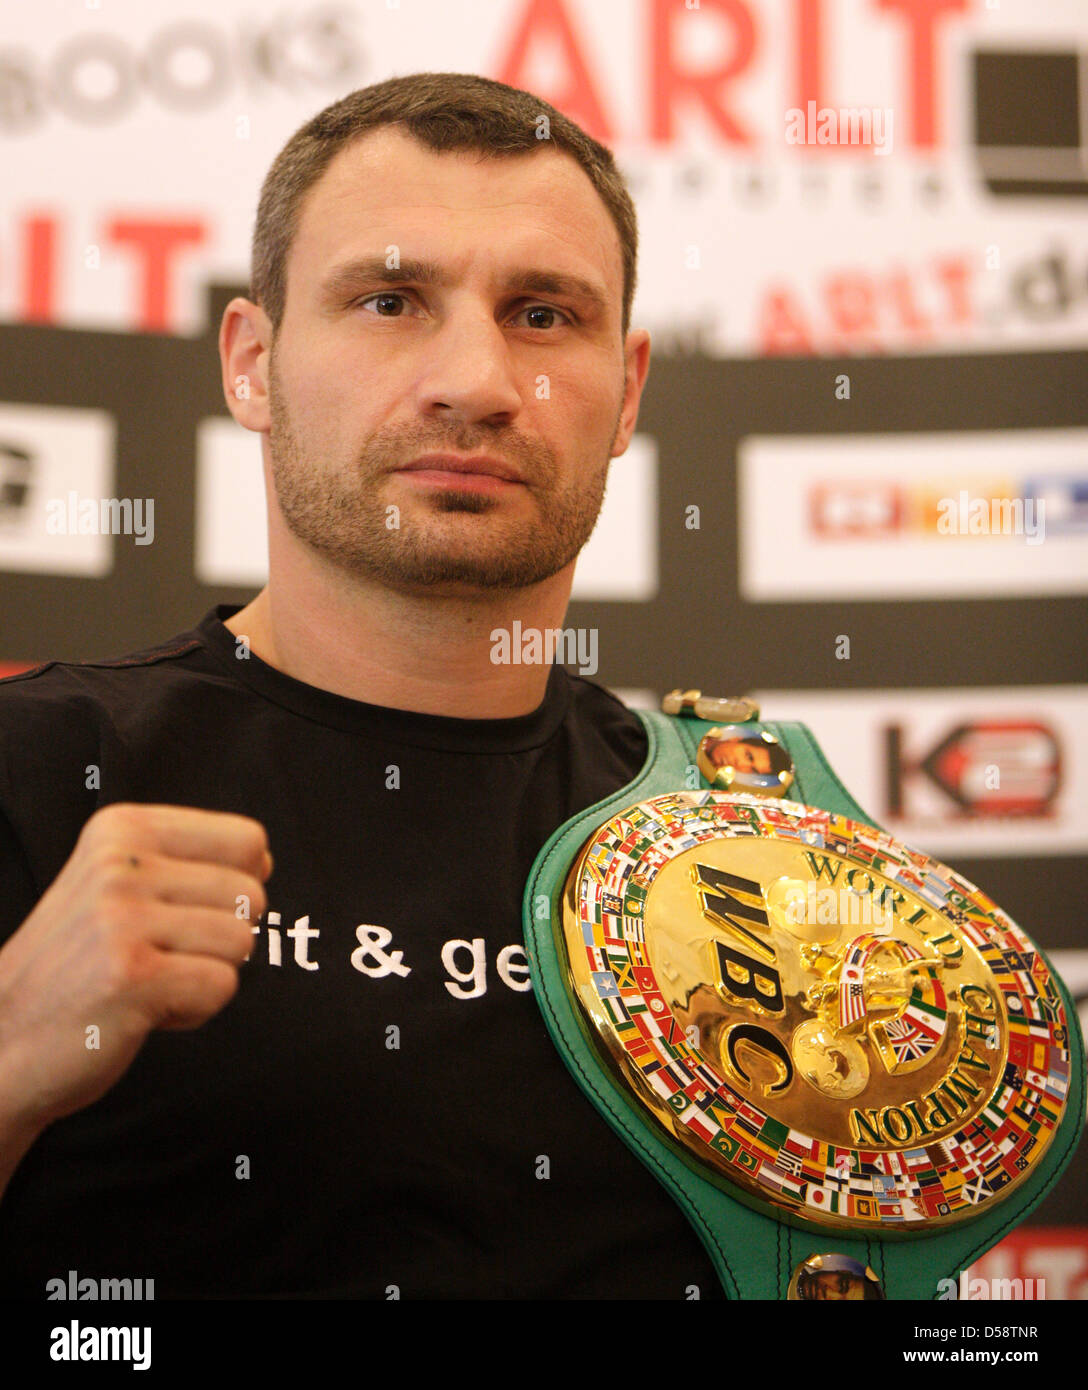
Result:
386,182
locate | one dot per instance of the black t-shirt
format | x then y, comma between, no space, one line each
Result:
380,1104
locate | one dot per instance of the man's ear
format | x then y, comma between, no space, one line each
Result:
637,369
245,341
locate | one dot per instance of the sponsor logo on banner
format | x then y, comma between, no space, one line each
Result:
48,456
98,75
962,513
620,562
980,772
1024,145
990,767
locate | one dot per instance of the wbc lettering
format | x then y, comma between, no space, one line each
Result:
748,979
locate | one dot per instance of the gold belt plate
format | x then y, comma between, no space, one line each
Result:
833,1023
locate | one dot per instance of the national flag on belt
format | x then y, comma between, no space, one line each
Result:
706,1073
753,1116
722,1114
913,1034
838,1164
680,1074
662,1083
624,975
644,1022
613,1007
596,958
771,1176
1054,1085
647,981
696,1122
604,983
773,1133
671,1032
589,911
1039,1059
616,875
851,1000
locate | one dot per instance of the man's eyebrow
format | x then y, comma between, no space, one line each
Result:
345,279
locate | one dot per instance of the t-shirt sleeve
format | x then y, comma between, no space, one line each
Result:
49,738
18,891
41,741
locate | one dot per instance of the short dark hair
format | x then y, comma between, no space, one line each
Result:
444,111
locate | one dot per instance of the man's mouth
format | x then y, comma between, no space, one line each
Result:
472,472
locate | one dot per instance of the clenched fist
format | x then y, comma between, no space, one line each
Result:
141,929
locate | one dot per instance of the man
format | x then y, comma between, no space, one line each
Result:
438,360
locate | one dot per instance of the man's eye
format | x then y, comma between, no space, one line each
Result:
550,314
387,304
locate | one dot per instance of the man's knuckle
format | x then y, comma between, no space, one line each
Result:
256,842
129,959
112,866
119,818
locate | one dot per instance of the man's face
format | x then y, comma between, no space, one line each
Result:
374,368
736,753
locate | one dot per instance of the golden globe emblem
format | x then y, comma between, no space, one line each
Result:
837,1025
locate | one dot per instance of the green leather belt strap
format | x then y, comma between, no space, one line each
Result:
753,1253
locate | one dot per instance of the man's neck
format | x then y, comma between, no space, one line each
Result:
425,653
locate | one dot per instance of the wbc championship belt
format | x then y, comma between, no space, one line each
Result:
850,1068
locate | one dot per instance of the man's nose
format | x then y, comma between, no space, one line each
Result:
469,370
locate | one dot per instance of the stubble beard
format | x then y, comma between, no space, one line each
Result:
445,538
